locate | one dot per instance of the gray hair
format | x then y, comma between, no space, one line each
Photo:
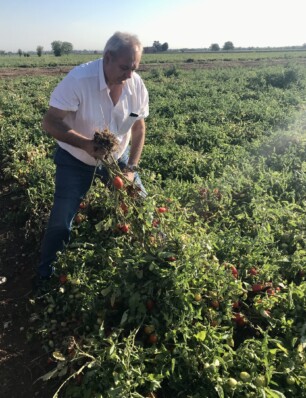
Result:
120,40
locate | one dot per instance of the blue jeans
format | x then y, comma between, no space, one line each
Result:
72,181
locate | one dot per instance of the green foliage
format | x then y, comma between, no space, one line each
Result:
204,298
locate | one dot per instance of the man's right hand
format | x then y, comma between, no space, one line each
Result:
94,150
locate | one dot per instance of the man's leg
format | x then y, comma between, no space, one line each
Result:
72,182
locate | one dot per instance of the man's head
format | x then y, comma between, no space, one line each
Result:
122,55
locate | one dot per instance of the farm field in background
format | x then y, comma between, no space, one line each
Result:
203,292
49,60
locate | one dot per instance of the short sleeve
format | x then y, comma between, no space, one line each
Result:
144,102
66,95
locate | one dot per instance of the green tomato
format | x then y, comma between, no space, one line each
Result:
290,380
232,383
245,376
260,381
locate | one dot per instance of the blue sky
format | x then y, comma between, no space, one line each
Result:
87,24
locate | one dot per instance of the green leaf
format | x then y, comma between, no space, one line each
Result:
124,317
201,336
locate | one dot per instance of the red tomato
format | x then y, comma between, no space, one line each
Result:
234,271
257,287
162,209
172,258
253,271
155,223
83,205
118,183
236,304
150,304
153,338
271,291
124,228
239,318
79,218
63,278
124,207
215,304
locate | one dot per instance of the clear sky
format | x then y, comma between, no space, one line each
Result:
87,24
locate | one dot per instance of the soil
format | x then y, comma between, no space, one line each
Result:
203,64
21,361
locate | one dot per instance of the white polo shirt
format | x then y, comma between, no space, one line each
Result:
84,92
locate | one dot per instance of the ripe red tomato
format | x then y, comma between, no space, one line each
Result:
79,218
153,338
155,223
162,209
271,291
150,304
253,271
257,287
172,258
239,318
236,304
124,207
215,304
118,183
83,205
63,278
234,271
124,228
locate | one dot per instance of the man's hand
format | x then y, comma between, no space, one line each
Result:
129,175
94,150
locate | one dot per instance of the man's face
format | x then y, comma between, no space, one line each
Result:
119,67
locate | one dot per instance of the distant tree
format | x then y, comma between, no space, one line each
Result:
164,47
19,52
157,45
67,47
214,47
2,52
228,45
39,50
57,48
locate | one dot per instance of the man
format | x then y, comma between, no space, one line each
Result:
105,93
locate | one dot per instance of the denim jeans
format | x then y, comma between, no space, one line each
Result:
72,181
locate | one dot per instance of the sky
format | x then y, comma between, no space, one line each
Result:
87,24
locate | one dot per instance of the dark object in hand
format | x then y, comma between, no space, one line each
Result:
105,140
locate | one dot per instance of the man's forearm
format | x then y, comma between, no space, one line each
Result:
137,144
60,130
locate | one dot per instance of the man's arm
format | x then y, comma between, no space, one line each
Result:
137,143
53,123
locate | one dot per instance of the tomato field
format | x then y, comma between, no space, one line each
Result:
197,290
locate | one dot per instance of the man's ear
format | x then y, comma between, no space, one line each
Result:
107,57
